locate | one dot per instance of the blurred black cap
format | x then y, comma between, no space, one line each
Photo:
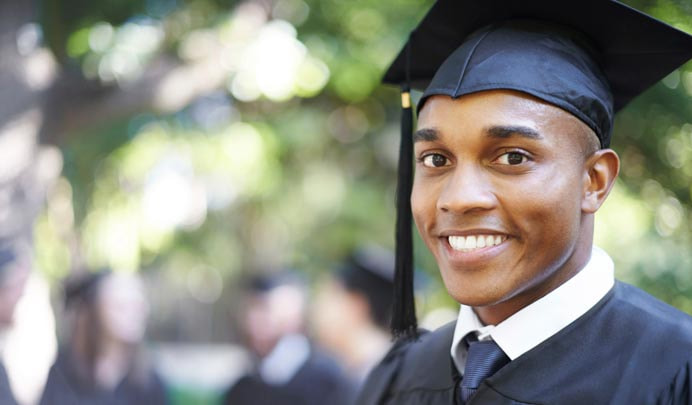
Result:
82,287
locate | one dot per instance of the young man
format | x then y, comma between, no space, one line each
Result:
511,164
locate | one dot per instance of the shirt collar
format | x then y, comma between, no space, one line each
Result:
284,361
543,318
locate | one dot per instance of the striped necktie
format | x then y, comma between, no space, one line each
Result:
483,360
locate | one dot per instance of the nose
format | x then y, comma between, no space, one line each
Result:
467,189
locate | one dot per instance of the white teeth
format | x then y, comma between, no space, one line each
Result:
457,242
472,242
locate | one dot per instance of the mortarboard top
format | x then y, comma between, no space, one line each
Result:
588,57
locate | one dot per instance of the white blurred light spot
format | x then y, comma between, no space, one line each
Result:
198,44
172,198
49,163
142,38
244,86
119,65
311,77
672,80
31,344
40,69
669,216
279,54
17,140
29,37
101,36
676,152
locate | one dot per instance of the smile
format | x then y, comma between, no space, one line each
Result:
474,242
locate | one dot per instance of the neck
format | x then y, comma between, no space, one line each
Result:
497,313
112,363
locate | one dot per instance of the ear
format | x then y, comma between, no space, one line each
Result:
600,171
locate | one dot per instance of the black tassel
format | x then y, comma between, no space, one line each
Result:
404,324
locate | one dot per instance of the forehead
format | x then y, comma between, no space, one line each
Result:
479,112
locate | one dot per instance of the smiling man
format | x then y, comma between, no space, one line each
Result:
512,161
490,205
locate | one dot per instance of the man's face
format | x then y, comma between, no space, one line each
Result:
497,196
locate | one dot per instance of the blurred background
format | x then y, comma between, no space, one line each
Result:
194,143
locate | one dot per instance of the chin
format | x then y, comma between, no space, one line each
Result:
477,298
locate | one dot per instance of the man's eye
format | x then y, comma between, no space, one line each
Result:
434,160
512,158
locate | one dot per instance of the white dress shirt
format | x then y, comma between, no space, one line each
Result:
543,318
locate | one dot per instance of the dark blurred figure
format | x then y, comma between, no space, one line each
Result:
15,266
101,362
288,368
353,310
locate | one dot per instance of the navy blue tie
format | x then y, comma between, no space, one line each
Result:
483,360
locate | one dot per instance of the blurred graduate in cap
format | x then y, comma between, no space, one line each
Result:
353,310
100,360
512,161
288,368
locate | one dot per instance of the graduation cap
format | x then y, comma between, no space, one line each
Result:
588,57
82,287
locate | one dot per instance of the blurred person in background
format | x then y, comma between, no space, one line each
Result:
14,272
288,367
353,310
101,361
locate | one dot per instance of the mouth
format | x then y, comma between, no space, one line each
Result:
472,243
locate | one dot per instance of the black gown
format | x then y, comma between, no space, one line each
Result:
319,381
630,348
64,387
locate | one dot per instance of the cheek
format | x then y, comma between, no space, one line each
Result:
550,215
423,203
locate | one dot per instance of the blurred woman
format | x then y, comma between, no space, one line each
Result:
101,361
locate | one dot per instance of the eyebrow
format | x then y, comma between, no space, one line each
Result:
499,131
509,131
425,134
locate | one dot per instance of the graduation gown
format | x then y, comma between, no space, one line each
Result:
320,379
64,387
630,348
